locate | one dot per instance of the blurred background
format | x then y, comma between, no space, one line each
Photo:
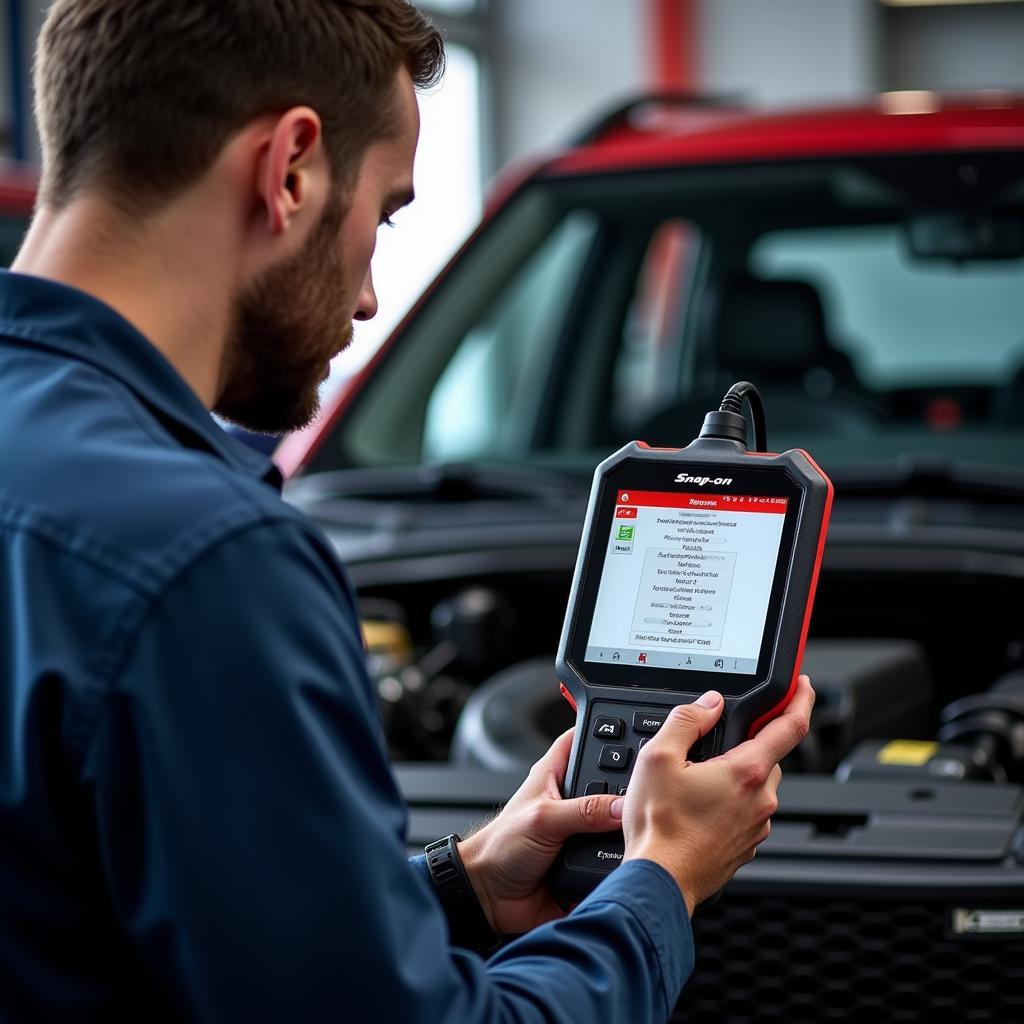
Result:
526,75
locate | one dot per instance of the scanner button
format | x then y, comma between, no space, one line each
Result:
622,790
614,759
648,721
646,739
608,728
596,787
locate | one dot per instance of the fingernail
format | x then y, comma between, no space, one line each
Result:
710,699
616,807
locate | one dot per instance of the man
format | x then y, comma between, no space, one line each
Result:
197,816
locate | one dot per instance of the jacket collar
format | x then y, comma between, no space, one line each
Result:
54,316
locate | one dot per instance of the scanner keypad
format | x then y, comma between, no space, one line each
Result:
606,767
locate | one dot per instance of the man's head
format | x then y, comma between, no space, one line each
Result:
138,101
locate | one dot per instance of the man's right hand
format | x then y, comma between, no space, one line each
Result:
702,822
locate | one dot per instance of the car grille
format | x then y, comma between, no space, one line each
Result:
763,958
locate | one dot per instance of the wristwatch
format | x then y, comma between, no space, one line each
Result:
467,923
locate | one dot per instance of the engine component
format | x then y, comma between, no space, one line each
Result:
980,737
510,720
992,725
481,624
866,689
912,761
418,701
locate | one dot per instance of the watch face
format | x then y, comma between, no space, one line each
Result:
684,581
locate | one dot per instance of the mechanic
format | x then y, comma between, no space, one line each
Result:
198,819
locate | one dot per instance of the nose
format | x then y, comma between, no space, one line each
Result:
366,307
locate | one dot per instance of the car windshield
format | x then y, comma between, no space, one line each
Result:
876,304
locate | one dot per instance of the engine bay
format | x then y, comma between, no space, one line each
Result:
464,673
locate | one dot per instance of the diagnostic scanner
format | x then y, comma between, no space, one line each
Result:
696,571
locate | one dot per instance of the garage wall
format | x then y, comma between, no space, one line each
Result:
560,62
557,62
791,51
953,48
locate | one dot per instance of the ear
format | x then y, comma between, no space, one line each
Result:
291,167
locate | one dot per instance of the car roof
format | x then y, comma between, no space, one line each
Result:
17,189
664,131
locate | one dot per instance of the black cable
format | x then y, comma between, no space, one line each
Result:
733,402
729,423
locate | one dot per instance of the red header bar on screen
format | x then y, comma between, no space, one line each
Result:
702,502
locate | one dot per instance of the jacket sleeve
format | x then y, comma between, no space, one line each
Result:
252,835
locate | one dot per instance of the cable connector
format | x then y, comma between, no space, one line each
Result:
729,423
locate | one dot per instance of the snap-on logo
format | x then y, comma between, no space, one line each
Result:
703,481
605,855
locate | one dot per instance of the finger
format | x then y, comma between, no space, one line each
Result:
558,752
686,723
565,818
556,760
781,734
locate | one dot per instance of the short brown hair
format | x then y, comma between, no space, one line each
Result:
138,97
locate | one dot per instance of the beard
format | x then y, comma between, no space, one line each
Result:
285,328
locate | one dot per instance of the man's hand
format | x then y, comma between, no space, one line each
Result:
702,822
508,858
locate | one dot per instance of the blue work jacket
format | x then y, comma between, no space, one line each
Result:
197,816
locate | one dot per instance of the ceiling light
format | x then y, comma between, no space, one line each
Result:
942,3
909,101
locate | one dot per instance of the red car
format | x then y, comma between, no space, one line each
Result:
865,268
17,199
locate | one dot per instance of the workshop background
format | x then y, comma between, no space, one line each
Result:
524,75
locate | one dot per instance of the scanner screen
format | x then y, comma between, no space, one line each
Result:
687,580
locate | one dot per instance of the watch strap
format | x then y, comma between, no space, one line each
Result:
467,922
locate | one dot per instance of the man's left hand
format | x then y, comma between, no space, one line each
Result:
508,858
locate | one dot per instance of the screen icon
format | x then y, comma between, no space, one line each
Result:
719,663
642,658
625,533
616,655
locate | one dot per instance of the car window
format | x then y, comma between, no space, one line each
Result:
646,368
486,398
902,321
592,311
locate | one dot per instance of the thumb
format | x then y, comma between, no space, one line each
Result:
567,818
686,723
